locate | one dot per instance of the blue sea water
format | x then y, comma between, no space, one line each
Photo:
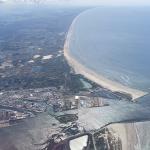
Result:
115,42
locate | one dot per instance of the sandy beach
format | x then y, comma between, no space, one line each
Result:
129,134
133,135
91,75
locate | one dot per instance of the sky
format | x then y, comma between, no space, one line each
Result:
109,2
91,2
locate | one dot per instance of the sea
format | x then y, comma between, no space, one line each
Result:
114,42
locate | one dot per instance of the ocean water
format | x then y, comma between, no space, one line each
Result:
114,42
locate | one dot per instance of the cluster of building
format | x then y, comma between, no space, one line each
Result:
76,102
7,116
107,139
35,100
20,104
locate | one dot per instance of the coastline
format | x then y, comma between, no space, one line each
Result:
91,75
131,134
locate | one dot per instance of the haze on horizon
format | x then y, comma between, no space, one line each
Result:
107,2
88,2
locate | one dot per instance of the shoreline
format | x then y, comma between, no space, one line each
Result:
91,75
